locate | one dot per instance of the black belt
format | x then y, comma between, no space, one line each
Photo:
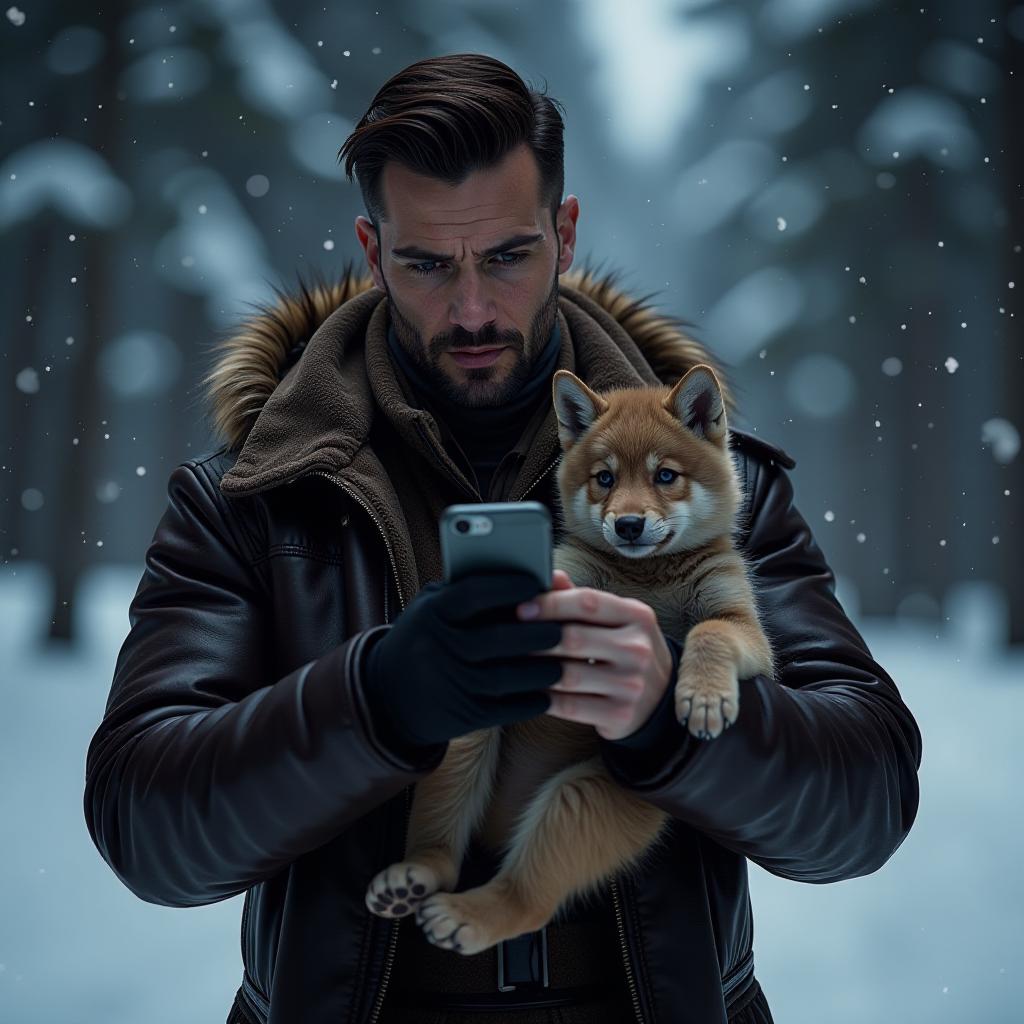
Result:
572,995
578,966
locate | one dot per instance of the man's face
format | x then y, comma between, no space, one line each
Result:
471,273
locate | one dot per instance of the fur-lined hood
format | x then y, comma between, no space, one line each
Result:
252,360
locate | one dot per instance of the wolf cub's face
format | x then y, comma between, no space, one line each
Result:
645,471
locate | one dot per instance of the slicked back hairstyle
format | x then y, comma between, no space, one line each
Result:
446,117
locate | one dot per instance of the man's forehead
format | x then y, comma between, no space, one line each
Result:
423,221
489,205
454,230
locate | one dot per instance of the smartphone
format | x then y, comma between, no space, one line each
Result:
497,536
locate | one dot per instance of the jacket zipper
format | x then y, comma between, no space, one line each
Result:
538,480
633,993
369,511
393,934
393,938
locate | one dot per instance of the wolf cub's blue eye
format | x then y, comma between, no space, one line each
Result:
666,476
604,478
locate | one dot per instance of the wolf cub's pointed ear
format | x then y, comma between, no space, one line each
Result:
697,401
576,406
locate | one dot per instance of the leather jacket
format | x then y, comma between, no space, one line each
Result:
236,754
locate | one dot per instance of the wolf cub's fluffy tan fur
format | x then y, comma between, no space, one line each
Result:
649,497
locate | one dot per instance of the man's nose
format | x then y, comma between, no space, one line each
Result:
630,527
473,307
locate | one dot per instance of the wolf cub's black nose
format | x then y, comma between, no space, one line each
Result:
629,527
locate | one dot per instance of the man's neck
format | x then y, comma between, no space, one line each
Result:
484,433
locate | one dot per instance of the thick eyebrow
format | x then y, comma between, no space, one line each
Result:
415,252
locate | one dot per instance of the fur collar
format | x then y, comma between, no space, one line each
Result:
252,360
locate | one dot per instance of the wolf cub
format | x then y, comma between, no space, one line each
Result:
649,497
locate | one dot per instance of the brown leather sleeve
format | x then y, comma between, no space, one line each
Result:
817,779
206,776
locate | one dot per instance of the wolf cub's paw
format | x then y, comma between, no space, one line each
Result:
708,702
399,889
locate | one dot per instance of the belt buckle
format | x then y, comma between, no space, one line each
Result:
523,962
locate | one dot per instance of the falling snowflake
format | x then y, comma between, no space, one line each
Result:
780,223
257,185
951,364
31,499
1004,438
15,16
108,491
27,381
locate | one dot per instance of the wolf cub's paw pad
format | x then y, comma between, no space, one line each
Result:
399,889
706,709
448,923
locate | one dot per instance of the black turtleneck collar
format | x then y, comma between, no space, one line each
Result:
485,434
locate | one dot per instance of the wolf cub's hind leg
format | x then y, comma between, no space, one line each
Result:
447,806
578,829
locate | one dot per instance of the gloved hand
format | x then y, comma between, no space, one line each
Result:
457,660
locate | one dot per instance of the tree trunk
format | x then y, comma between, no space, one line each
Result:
74,546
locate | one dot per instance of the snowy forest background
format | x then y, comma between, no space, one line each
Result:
828,190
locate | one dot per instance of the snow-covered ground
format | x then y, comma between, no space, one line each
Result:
936,936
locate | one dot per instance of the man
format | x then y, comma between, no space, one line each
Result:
266,723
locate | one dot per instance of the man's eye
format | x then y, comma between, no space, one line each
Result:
515,258
428,268
419,267
666,476
604,478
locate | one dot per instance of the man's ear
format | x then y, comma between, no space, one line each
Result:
697,402
576,407
369,239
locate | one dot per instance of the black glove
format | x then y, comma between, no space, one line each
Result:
457,660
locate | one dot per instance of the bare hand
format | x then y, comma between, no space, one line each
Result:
615,661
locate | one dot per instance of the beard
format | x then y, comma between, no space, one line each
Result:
482,386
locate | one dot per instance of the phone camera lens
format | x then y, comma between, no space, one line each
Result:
462,525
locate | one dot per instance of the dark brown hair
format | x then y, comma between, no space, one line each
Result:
445,117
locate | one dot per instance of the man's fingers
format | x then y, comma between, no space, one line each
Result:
580,679
620,647
584,604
